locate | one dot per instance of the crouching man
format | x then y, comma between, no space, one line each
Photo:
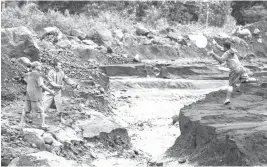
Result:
56,77
34,96
237,74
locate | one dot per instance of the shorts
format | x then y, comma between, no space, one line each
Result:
236,77
36,106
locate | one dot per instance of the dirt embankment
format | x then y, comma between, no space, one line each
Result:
217,134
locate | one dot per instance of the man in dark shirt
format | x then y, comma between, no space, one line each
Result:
34,95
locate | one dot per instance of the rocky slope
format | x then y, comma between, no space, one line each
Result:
217,134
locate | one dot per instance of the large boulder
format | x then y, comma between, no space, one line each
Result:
35,141
65,43
53,31
104,37
42,158
96,125
86,52
19,42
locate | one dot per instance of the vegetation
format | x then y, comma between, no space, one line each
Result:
90,15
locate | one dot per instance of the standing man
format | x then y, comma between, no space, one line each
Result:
237,74
56,77
34,96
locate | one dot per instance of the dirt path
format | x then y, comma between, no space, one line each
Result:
147,115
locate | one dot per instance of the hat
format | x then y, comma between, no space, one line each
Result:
36,63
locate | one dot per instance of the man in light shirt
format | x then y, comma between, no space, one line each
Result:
237,74
56,77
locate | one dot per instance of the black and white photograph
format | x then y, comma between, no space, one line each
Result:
137,83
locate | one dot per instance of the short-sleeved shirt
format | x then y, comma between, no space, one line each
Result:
34,83
232,60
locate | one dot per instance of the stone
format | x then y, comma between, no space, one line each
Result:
85,53
260,40
159,163
243,32
43,158
256,31
34,139
102,90
46,44
64,43
119,34
48,148
89,42
25,61
37,132
182,160
96,125
78,33
128,41
104,36
175,119
137,58
66,135
48,140
53,31
19,42
141,30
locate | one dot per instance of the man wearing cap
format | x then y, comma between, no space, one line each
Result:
34,96
56,77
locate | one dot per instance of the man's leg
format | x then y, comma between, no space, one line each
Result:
228,94
58,103
39,108
48,99
27,108
42,113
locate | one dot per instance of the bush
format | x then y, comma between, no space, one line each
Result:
30,16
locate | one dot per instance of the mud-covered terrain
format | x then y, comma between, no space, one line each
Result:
148,96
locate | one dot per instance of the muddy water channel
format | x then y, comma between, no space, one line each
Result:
146,109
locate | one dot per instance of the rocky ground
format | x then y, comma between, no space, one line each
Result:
215,134
126,111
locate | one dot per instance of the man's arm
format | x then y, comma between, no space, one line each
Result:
51,81
69,81
47,89
41,84
218,46
223,58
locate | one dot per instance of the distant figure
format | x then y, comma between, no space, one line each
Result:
56,77
237,74
34,96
